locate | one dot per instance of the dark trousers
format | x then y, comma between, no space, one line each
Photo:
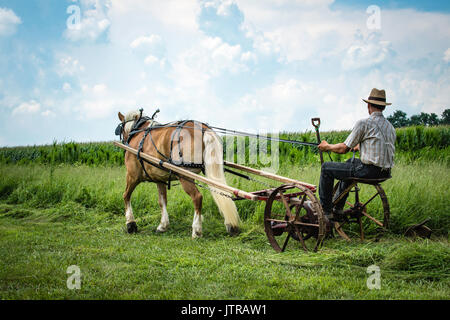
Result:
342,170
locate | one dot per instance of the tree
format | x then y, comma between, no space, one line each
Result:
445,117
414,120
398,119
424,118
433,120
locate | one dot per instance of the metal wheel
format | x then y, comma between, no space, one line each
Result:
365,212
293,212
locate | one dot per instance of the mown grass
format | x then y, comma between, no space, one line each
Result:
115,265
54,217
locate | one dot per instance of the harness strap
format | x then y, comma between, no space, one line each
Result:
141,144
180,126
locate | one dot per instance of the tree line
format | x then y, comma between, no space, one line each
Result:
399,119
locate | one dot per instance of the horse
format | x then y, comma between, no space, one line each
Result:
190,144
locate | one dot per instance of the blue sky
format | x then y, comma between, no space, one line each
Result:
256,65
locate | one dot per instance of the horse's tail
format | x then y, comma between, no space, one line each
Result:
213,159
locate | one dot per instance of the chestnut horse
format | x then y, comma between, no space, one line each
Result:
190,142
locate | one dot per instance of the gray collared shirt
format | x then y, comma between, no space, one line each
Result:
376,137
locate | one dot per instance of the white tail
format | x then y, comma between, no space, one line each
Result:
213,159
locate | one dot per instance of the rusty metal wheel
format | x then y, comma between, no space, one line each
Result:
293,212
365,212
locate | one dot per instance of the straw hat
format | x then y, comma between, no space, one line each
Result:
377,97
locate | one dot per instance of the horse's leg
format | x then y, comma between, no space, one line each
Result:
131,185
162,200
197,198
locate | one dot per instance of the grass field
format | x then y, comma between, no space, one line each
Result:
52,217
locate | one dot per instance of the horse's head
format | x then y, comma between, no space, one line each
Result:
126,123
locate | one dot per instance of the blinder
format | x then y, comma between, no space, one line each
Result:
119,129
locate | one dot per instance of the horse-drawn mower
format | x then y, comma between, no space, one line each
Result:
292,210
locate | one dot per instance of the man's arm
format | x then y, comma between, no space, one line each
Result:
352,140
336,148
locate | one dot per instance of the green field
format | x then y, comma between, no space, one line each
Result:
61,205
54,216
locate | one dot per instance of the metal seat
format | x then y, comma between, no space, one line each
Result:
368,181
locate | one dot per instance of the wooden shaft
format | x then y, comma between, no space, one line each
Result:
269,175
189,174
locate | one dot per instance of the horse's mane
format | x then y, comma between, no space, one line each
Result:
132,115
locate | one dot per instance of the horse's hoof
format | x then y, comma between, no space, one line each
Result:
132,227
161,229
196,235
233,231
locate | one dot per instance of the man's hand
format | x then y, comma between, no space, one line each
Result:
356,148
323,146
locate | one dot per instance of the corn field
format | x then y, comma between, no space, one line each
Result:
413,144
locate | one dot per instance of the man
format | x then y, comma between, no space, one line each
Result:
374,137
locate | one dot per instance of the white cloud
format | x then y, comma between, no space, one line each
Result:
447,55
249,57
172,14
69,66
66,87
367,53
222,6
8,22
420,32
145,41
211,57
150,49
98,102
142,90
150,59
423,94
27,108
282,105
311,30
298,30
100,88
48,113
97,108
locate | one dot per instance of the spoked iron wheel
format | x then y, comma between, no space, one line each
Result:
366,211
293,212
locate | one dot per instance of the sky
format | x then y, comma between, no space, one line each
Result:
67,67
